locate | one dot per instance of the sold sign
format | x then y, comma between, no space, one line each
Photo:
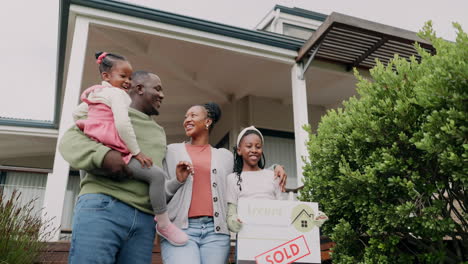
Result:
285,253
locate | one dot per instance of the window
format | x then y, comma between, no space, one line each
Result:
304,224
29,46
224,142
280,149
297,31
32,185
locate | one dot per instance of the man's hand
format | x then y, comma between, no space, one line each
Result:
115,166
183,170
279,172
233,222
144,160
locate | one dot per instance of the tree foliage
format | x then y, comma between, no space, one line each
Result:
390,168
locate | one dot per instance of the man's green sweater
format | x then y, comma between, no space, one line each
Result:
86,154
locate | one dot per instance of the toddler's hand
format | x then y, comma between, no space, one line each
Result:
144,160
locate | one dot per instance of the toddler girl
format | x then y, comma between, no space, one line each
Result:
106,107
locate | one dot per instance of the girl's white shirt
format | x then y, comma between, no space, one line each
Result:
119,102
260,184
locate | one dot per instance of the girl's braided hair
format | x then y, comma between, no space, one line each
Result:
239,162
107,60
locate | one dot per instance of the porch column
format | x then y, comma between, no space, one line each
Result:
57,180
299,99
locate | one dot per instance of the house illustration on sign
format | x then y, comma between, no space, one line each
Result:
303,218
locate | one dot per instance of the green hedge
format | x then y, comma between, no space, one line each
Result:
390,168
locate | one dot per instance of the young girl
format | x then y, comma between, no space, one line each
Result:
249,179
106,107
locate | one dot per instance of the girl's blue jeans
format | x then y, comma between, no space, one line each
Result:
204,245
106,230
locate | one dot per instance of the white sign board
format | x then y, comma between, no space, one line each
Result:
277,232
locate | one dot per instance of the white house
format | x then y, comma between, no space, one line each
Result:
280,76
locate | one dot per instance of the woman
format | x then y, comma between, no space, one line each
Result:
196,191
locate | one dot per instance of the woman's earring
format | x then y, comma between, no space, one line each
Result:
207,126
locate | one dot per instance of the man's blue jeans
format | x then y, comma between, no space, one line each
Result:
106,230
204,245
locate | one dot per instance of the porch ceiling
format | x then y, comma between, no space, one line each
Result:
194,73
357,42
191,73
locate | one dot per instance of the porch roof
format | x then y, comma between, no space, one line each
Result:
357,42
262,37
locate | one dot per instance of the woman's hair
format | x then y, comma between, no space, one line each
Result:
107,60
213,112
239,162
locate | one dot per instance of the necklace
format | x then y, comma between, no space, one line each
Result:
199,148
202,148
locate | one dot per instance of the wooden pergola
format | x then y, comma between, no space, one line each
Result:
357,42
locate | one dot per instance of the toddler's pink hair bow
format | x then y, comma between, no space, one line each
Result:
101,57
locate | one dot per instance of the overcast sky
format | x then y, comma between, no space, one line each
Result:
29,49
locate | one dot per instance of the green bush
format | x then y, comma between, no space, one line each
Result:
21,231
390,169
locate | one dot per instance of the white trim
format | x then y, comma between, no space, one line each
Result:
299,96
299,21
57,180
278,18
276,26
28,131
185,34
266,20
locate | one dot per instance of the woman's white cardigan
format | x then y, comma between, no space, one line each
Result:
179,194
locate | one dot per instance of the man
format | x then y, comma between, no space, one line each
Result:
113,220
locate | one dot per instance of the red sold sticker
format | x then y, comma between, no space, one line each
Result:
285,253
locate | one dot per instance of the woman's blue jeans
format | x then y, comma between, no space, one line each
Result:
106,230
204,245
